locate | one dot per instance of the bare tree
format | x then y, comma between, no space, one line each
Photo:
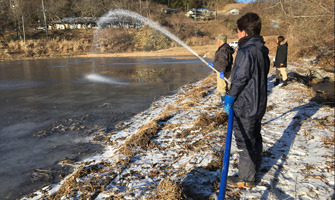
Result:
301,21
56,10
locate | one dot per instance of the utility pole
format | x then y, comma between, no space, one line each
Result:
45,21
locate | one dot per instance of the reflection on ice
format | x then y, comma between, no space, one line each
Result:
17,84
103,79
59,66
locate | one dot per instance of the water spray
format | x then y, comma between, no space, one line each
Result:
103,79
152,24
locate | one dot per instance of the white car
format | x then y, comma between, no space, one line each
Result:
233,44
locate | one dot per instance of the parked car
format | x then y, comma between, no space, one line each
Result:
169,10
202,13
233,44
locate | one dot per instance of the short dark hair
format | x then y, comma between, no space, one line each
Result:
280,39
250,23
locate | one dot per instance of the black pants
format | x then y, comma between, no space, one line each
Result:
249,142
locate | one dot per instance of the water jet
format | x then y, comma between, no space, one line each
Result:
152,24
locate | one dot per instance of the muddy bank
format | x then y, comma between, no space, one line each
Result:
320,80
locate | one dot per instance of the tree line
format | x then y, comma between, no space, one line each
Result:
14,12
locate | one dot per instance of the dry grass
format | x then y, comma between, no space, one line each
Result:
146,133
189,104
85,180
206,124
44,48
203,89
307,90
168,190
213,122
142,138
329,142
232,6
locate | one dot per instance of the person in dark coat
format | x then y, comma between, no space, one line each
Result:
281,60
222,63
248,97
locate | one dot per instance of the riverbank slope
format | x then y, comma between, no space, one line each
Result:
173,150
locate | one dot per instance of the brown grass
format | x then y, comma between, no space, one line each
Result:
206,124
169,190
329,142
204,121
189,104
146,133
90,185
203,89
142,138
233,5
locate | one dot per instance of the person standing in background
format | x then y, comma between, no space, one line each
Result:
222,63
281,61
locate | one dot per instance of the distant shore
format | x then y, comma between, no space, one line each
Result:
208,50
178,52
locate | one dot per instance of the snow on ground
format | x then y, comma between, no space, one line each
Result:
183,149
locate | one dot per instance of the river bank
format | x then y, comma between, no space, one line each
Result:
173,150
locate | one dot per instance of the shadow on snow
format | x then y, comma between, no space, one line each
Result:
277,154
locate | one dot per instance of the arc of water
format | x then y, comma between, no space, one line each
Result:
152,24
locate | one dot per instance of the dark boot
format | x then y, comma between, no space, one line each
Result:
284,83
277,82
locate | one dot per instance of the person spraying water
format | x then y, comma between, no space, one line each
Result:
223,63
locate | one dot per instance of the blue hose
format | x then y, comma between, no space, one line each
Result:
224,174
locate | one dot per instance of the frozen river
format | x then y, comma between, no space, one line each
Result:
49,108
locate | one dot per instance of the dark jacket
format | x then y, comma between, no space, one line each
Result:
249,78
223,58
281,55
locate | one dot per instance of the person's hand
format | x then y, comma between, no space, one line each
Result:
281,64
222,75
211,64
228,103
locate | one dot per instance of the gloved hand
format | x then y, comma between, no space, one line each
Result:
211,64
228,103
222,75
